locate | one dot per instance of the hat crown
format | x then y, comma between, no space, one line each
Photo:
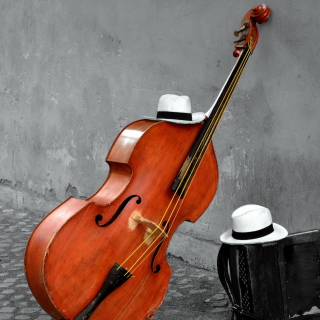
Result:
174,103
177,109
252,224
250,218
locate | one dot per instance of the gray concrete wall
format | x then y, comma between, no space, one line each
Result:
74,73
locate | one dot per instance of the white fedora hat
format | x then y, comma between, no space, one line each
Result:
177,109
253,224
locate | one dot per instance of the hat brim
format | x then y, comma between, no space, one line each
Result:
278,234
197,117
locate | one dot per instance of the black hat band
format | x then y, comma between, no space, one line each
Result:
253,234
174,115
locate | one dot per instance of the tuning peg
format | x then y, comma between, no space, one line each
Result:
236,33
244,27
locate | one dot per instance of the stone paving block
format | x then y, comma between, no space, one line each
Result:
193,294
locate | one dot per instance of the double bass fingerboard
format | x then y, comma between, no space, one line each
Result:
199,147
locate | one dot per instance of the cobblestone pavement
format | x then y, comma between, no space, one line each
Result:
193,293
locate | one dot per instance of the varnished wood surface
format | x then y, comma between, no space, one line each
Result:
76,254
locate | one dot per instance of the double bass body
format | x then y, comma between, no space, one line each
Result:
71,252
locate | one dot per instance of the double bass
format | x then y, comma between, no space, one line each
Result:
105,257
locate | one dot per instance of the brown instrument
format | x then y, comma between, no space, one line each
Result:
105,257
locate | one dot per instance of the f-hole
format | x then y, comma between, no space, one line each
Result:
157,268
99,217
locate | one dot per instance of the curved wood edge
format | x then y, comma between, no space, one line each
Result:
38,248
118,158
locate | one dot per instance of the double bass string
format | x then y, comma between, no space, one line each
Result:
208,135
222,106
198,156
202,146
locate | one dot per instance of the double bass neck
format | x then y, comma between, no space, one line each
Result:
244,48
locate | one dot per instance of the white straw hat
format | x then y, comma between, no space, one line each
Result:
253,224
177,109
